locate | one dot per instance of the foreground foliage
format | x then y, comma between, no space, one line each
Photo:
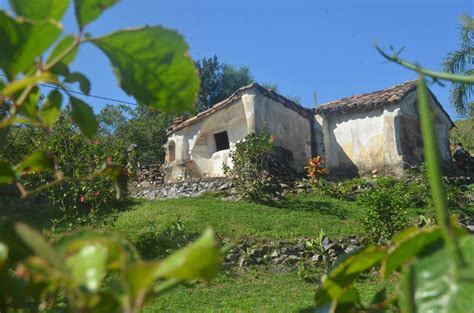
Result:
92,271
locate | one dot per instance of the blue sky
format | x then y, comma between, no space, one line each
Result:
302,46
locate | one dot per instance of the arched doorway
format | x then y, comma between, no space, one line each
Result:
171,151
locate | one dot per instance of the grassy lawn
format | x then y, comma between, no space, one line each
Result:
258,289
300,216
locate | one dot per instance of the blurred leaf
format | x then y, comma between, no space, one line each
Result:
7,174
3,254
408,244
38,161
120,177
62,45
51,109
120,253
18,85
434,283
83,115
17,249
88,10
139,278
200,260
152,64
84,83
29,108
343,274
40,9
23,41
36,242
88,266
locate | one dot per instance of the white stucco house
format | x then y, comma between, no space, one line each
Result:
357,134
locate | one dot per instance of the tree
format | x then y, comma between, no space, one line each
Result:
461,62
219,81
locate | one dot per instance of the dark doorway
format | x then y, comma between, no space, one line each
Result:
222,141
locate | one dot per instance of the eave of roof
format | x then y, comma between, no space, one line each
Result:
376,99
237,95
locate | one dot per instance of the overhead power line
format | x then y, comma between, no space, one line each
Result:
81,93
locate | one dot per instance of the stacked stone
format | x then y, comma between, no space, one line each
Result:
190,188
288,253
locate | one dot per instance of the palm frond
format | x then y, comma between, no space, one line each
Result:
457,61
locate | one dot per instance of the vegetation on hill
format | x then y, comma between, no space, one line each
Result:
463,133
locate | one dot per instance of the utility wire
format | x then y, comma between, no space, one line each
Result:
81,93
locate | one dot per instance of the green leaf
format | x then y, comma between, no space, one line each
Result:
344,273
36,242
88,266
120,253
51,109
3,254
84,83
38,161
7,174
40,9
435,284
152,64
21,84
412,241
200,260
83,115
17,249
23,41
62,45
88,10
139,278
30,107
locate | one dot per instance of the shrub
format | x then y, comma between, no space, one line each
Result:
81,201
250,171
385,213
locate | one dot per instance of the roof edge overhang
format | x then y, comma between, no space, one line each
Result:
236,96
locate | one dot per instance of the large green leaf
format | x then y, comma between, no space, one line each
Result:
83,115
88,10
435,284
7,174
23,41
199,260
88,266
38,161
51,109
152,64
40,9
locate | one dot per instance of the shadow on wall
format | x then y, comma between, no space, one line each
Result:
346,167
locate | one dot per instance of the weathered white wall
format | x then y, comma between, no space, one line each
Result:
196,142
360,141
292,131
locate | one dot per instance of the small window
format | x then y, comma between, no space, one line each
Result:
222,141
171,151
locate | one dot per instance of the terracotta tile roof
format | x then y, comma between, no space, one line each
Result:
380,98
180,124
